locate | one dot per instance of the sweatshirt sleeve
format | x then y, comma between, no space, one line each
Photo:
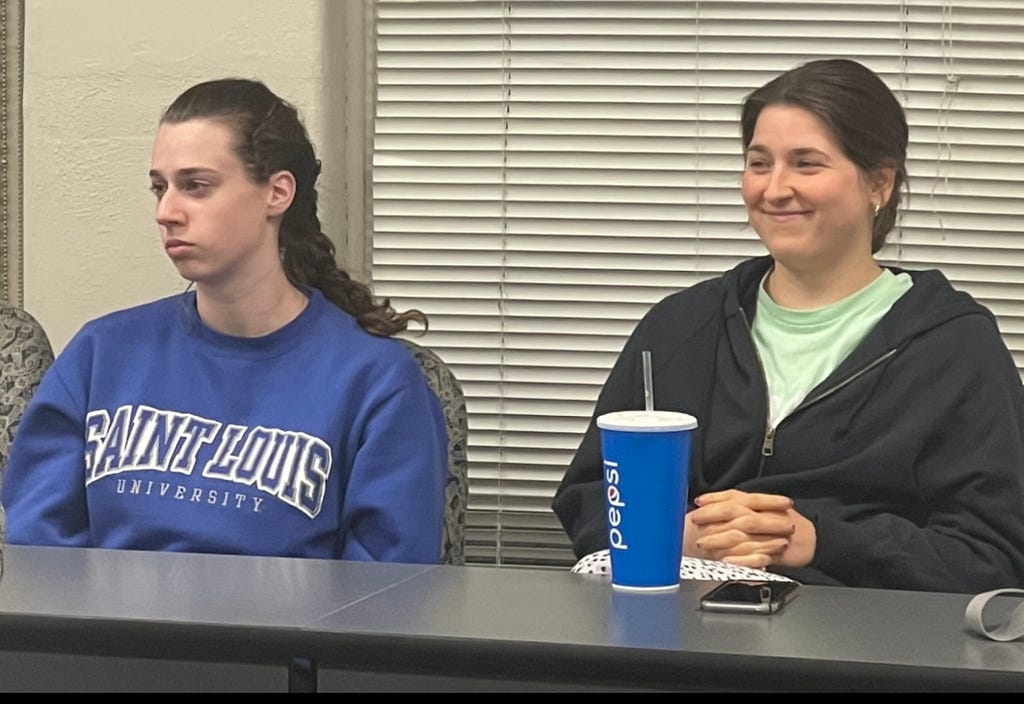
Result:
43,489
579,499
394,501
966,533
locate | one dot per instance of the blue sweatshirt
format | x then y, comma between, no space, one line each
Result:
152,432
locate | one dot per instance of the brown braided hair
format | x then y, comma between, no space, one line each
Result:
270,137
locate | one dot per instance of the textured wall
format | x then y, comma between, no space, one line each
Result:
98,73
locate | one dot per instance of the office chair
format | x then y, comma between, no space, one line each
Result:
449,392
25,354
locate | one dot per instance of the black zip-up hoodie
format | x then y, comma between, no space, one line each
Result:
908,457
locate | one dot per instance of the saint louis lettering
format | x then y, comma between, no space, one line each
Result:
289,465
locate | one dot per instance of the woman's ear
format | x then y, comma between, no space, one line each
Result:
882,181
281,193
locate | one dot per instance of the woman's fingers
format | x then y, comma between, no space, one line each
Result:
753,501
733,542
719,518
757,561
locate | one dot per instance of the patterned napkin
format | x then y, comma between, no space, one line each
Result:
690,568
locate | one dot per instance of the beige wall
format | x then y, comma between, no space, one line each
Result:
97,75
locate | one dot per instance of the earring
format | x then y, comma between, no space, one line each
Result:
877,208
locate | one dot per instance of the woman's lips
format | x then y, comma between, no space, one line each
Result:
177,247
784,215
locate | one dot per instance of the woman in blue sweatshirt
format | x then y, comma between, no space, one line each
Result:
264,411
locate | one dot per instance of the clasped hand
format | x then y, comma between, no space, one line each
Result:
747,529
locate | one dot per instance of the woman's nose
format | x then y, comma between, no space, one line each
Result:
167,208
778,186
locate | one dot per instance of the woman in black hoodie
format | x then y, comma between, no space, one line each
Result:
860,425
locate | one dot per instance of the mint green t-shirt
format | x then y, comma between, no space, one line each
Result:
799,348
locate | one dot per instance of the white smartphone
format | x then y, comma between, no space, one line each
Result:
749,596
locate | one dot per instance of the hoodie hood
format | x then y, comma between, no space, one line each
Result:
930,303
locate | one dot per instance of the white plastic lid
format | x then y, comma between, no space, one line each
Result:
646,421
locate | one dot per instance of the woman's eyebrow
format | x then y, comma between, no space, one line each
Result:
189,171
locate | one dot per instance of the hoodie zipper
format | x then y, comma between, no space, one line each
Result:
768,443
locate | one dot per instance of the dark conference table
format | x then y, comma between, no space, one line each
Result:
101,620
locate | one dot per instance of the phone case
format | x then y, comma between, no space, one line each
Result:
748,596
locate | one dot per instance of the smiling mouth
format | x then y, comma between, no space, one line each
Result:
784,214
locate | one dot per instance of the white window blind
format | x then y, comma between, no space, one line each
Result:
544,171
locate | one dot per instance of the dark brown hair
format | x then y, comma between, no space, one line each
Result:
862,112
270,137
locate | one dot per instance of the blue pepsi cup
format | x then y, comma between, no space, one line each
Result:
646,469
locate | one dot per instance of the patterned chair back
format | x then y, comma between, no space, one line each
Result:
449,392
25,354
